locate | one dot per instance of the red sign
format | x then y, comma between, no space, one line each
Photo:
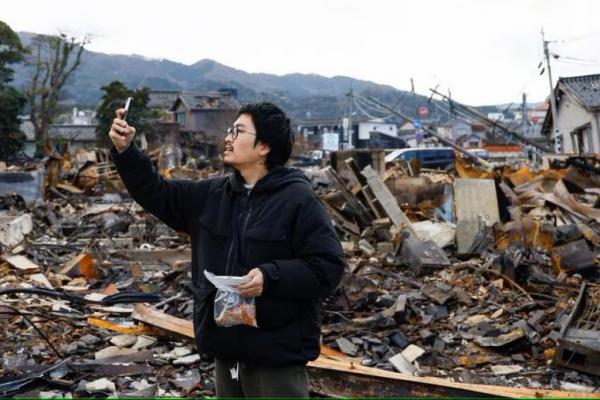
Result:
423,111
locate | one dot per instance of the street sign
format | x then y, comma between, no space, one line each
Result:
423,111
331,141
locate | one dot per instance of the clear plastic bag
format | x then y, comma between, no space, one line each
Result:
234,309
231,308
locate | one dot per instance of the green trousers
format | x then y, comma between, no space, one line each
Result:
281,381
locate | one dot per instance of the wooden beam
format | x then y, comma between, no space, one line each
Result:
361,212
387,200
348,226
333,377
153,317
364,187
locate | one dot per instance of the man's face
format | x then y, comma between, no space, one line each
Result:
241,151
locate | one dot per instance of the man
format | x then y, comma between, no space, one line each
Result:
263,221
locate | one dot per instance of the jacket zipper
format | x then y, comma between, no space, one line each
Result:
243,235
230,251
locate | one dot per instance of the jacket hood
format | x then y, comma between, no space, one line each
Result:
274,180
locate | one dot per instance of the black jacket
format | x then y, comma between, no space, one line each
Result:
280,226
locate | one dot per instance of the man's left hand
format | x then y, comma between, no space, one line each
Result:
254,287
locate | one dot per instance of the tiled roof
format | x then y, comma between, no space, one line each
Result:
585,89
209,101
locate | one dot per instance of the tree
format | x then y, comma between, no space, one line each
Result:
140,116
11,100
55,59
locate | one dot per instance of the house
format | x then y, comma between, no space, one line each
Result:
363,133
319,132
378,134
365,129
75,135
162,99
209,113
577,129
471,141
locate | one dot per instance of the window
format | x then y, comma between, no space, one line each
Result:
581,139
408,155
180,118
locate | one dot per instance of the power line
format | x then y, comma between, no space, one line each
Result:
367,105
578,38
479,116
441,138
578,61
362,109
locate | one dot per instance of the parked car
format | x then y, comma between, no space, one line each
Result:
481,153
428,157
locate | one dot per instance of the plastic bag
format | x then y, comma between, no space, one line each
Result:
231,308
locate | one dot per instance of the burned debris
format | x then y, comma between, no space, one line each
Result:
472,282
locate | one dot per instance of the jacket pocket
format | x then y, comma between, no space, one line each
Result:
267,234
213,226
211,242
265,244
204,326
274,313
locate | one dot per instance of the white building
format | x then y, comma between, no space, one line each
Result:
578,115
366,128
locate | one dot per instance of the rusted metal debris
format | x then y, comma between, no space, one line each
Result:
579,344
513,315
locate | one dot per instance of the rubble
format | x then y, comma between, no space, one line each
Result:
479,283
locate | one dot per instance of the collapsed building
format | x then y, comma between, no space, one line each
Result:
473,282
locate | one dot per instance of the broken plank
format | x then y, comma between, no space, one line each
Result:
22,263
364,188
361,212
153,317
387,200
126,368
349,379
126,329
348,226
173,257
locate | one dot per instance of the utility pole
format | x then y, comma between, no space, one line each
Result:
478,115
414,96
442,139
349,118
417,123
556,135
524,114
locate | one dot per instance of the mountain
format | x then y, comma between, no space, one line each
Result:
300,94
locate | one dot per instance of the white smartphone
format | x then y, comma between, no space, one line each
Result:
127,103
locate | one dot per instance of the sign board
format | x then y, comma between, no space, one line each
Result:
419,135
331,141
423,111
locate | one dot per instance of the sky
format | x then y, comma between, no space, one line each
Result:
482,51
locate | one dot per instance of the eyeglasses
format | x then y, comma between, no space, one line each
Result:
234,131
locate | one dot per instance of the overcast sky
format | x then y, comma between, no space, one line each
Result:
484,51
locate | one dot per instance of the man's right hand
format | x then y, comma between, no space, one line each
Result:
121,134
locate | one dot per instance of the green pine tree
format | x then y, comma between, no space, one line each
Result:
140,116
11,100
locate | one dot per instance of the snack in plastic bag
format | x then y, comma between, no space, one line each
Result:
231,308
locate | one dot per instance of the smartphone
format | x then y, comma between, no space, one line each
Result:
127,103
